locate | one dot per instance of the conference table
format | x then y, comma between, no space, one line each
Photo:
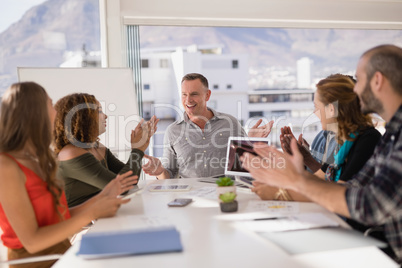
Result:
211,239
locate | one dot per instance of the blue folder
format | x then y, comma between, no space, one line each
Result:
133,242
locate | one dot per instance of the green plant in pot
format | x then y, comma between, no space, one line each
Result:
225,184
225,181
228,202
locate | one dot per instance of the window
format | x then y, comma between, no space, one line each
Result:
262,69
147,86
256,114
235,64
164,63
50,42
144,63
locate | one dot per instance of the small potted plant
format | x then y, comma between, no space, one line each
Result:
225,184
228,202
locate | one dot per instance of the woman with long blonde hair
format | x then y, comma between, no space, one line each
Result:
34,215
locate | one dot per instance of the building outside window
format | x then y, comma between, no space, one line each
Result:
164,63
235,64
144,63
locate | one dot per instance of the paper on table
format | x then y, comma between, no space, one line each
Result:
289,223
274,207
206,192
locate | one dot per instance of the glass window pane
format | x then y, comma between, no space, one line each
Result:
51,36
266,71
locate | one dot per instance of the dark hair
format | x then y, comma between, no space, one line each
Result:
77,121
386,59
24,117
338,88
195,76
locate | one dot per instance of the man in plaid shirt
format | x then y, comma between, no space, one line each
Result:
374,196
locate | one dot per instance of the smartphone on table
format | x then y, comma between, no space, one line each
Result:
180,202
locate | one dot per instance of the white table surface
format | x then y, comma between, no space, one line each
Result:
210,241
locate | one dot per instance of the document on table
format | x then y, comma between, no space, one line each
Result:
205,192
288,223
321,239
274,207
134,242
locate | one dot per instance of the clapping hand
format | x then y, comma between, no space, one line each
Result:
153,167
142,134
286,137
273,167
261,131
153,125
304,148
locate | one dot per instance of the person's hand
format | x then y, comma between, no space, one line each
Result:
273,167
107,201
285,138
301,141
153,167
120,184
106,206
261,131
140,136
153,125
265,192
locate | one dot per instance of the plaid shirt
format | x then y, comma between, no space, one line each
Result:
374,196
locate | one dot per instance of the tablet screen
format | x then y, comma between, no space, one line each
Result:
236,147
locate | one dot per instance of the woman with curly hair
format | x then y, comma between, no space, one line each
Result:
34,215
338,108
86,165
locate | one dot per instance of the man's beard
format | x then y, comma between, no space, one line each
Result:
369,104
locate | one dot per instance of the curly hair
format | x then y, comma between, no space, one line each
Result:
76,121
338,88
24,117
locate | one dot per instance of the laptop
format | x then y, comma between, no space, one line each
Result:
233,169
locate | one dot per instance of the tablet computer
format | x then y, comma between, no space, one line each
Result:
236,147
131,194
169,188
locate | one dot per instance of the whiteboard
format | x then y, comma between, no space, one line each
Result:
112,87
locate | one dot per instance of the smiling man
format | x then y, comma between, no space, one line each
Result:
195,145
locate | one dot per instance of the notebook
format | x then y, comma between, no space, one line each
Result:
132,242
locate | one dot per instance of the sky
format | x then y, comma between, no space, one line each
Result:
12,10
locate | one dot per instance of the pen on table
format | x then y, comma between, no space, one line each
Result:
266,219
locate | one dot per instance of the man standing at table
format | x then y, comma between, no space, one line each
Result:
195,146
374,195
